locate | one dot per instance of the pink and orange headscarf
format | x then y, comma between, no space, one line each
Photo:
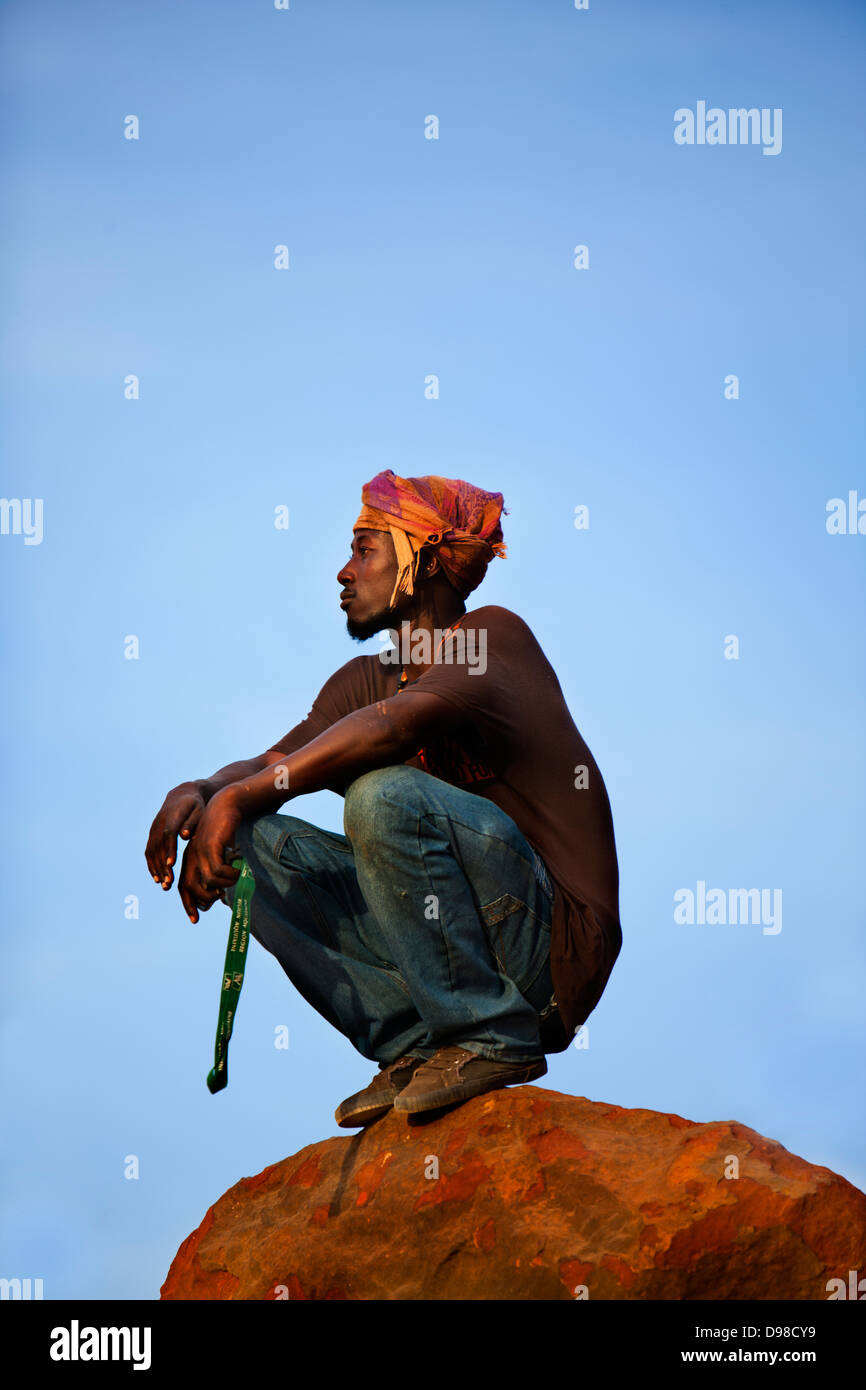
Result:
460,522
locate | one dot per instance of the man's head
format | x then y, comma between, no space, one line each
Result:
369,580
418,543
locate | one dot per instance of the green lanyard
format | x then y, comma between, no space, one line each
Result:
233,974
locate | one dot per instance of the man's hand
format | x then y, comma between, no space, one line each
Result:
180,814
205,870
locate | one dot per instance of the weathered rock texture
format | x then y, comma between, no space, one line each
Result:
539,1196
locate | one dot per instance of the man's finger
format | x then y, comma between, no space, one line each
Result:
169,846
216,875
224,872
188,903
169,855
198,882
152,854
191,822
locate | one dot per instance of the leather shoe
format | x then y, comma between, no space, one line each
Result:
376,1100
453,1074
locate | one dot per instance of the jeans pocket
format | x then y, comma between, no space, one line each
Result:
500,908
518,938
493,915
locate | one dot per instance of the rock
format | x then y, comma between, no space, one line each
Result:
538,1196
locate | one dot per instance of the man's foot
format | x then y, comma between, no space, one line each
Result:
370,1104
453,1075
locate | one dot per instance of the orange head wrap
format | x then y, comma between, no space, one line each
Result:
458,521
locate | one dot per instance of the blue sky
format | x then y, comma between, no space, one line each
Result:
559,387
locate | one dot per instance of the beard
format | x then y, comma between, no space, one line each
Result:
387,618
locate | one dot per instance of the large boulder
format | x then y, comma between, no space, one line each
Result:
529,1194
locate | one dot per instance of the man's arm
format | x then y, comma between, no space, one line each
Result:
183,807
379,735
233,772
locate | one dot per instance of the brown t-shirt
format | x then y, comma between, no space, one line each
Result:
518,745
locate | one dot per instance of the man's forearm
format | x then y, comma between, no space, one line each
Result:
376,736
242,770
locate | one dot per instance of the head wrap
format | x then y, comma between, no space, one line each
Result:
458,521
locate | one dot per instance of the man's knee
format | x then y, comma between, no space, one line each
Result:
376,797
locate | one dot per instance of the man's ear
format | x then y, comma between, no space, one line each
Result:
430,564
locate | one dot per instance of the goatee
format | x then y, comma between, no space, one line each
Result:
387,618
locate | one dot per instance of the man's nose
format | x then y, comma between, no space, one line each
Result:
345,575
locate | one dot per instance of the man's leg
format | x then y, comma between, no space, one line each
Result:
308,911
452,884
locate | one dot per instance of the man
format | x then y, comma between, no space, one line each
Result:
467,921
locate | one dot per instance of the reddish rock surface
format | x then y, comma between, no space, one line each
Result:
538,1196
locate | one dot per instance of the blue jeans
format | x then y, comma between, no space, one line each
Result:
426,925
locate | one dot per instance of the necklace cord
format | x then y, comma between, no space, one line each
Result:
404,679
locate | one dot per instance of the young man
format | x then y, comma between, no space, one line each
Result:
468,920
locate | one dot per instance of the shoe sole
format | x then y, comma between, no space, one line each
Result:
361,1114
450,1095
365,1114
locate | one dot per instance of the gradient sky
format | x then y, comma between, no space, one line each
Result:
558,387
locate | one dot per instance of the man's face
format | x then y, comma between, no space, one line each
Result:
367,582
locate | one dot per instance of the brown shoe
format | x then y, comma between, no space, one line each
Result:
368,1105
453,1075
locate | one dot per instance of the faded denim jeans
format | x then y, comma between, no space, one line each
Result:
427,924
